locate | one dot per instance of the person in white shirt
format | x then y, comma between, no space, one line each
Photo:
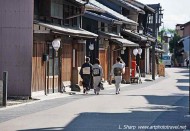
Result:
116,72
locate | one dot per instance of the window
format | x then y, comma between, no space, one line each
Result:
102,26
74,12
125,12
36,7
57,9
112,29
166,57
66,14
150,19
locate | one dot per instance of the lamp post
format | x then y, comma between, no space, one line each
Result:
139,52
123,50
91,48
56,45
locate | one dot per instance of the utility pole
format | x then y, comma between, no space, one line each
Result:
153,46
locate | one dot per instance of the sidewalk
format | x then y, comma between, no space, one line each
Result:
39,96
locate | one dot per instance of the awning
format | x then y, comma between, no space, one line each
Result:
188,37
107,35
68,31
149,38
113,13
186,43
117,39
141,5
158,50
80,1
101,18
91,7
136,35
124,42
128,5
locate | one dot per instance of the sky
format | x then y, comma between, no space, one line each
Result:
175,11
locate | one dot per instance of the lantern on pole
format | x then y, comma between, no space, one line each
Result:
56,44
135,52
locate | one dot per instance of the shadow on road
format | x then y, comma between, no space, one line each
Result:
182,80
137,118
183,88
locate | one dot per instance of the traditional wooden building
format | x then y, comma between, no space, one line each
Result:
58,19
16,43
27,29
111,43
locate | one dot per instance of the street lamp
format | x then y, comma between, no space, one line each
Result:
135,51
123,50
56,44
91,46
139,51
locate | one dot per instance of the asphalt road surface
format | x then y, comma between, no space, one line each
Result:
162,104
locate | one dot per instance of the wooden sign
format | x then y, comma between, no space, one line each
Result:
161,70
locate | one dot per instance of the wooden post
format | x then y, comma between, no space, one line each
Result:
5,80
153,47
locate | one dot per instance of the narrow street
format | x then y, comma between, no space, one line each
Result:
156,105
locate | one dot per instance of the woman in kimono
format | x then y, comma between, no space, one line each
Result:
97,76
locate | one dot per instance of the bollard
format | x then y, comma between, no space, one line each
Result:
5,79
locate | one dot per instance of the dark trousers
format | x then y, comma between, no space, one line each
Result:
87,81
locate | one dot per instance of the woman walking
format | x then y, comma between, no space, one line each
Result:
97,76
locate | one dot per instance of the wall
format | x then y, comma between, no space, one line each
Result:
186,31
179,31
16,37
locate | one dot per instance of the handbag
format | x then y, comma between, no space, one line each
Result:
101,86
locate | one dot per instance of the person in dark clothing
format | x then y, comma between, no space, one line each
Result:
187,62
86,75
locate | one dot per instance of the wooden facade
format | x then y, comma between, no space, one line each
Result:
38,67
66,62
103,57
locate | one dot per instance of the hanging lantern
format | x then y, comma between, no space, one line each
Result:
139,51
56,44
135,52
91,46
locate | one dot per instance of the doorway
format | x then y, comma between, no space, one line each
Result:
52,70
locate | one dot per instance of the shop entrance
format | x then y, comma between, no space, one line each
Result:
52,71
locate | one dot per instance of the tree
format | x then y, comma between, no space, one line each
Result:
173,43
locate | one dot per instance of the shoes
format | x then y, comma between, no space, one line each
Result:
97,93
84,91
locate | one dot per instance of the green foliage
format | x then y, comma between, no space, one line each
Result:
174,42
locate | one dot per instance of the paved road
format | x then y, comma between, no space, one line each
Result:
158,105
